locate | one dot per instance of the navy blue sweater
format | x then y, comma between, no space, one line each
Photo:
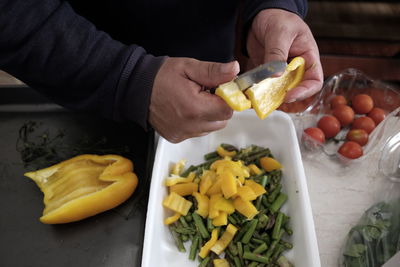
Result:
90,55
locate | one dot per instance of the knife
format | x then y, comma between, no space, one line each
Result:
259,73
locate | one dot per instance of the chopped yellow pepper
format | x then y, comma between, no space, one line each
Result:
202,204
185,189
213,212
246,193
245,207
256,187
205,250
254,170
215,188
221,219
225,205
177,203
225,239
176,179
84,186
270,164
221,263
172,218
225,153
228,184
233,96
178,167
207,180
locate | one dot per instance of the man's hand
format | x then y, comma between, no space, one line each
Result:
277,34
180,108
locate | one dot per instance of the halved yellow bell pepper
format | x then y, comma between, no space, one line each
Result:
84,186
233,96
245,207
185,189
225,239
205,250
202,204
177,203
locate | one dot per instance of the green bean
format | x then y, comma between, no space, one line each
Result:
240,249
271,249
205,261
242,231
277,204
183,221
188,170
178,240
232,220
272,196
255,257
287,245
211,155
210,226
253,264
200,226
185,238
233,249
261,248
277,252
277,226
237,262
247,236
194,247
256,240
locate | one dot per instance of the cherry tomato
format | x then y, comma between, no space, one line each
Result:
316,134
338,100
344,114
351,150
377,114
329,125
365,123
362,103
359,136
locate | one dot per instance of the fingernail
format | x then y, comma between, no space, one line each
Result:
231,67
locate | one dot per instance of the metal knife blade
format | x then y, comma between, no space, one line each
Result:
259,73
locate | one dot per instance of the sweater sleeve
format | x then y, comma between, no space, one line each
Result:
253,7
48,46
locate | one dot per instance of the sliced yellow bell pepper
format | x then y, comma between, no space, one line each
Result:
172,218
177,203
202,204
207,180
213,212
225,239
205,250
254,170
246,193
84,186
221,263
228,184
176,179
270,164
221,219
245,207
185,189
225,205
225,153
233,96
215,188
178,167
256,187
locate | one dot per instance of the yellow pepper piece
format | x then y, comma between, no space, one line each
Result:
233,96
177,203
228,184
84,186
221,263
254,170
225,153
185,189
221,219
205,250
256,187
178,167
225,239
225,205
268,95
176,179
270,164
172,218
207,180
213,212
246,193
215,188
202,204
245,207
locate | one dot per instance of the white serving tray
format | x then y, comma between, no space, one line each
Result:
245,128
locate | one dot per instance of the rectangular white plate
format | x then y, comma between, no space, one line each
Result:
275,132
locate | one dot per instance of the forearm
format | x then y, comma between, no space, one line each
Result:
51,48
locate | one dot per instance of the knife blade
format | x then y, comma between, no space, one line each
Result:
259,73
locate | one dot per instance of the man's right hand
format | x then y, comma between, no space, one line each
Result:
180,108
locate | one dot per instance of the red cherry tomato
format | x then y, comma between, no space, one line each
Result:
362,103
359,136
377,114
365,123
316,134
351,150
344,114
338,100
329,125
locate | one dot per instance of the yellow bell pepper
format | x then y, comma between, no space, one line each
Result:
205,250
221,219
246,193
178,167
185,189
225,205
245,207
215,188
172,218
221,263
213,212
254,170
84,186
176,179
202,204
228,184
206,181
225,239
256,187
225,153
233,96
177,203
270,164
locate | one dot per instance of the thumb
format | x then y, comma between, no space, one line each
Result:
277,45
212,74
